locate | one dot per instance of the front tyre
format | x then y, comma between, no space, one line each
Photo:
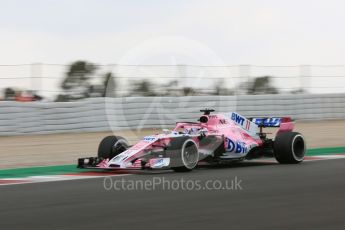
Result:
111,146
289,148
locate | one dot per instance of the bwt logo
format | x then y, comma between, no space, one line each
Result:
149,139
239,147
237,118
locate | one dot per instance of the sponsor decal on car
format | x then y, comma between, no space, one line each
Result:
268,122
159,162
223,121
150,138
235,147
237,118
246,124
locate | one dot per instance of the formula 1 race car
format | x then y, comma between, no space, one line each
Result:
216,138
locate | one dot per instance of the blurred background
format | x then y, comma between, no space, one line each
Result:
79,70
83,79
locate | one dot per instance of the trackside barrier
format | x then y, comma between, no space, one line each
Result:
99,114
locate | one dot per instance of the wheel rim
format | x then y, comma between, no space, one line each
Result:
190,154
298,147
120,146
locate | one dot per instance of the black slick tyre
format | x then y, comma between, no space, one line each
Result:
111,146
289,148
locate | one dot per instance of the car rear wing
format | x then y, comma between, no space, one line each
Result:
266,122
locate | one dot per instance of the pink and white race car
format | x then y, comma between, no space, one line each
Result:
216,138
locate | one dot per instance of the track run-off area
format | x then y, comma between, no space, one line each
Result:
71,172
309,195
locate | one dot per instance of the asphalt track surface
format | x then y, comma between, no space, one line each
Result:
306,196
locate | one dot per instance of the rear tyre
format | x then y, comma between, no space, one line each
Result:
187,153
289,148
111,146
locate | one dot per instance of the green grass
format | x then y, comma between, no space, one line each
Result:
326,151
39,171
